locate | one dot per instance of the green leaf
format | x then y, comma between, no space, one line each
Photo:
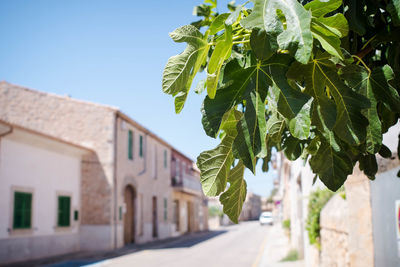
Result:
359,78
328,32
181,69
336,24
221,52
263,45
332,166
394,10
218,23
350,123
250,141
321,77
295,37
315,81
266,160
329,41
234,197
275,127
323,130
233,17
385,152
356,17
293,148
226,97
368,165
215,164
383,90
300,125
289,100
180,100
313,146
320,8
236,82
398,148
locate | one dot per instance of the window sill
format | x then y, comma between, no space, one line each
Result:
21,232
63,229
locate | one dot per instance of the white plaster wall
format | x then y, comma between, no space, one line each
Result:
46,173
99,234
149,177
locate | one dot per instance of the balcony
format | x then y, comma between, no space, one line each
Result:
188,184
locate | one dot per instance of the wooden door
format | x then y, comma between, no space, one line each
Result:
155,220
129,217
189,216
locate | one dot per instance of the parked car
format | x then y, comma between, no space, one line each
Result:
266,218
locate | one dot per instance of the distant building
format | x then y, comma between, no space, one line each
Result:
251,207
40,194
126,192
359,229
190,212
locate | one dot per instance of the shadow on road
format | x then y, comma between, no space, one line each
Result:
191,241
89,258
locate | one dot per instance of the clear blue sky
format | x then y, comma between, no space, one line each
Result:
110,52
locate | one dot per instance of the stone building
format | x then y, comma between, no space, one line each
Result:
251,209
126,193
358,230
40,194
190,210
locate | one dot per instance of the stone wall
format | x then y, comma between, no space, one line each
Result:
334,233
79,122
358,195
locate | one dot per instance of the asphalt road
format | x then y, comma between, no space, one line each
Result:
234,246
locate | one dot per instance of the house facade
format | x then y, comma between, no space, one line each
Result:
40,194
251,207
126,193
360,226
190,210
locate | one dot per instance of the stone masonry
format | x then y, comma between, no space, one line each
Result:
334,233
79,122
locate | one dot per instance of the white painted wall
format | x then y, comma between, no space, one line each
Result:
44,171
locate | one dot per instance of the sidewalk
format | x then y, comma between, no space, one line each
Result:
276,247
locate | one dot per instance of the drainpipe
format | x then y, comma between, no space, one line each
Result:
115,180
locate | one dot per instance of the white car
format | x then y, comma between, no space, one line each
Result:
266,218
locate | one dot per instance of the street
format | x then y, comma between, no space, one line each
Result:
236,246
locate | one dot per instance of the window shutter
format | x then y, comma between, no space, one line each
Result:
130,144
141,146
22,210
64,210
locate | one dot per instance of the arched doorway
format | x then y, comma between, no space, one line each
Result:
129,217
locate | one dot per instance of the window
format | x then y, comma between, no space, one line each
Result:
165,159
141,146
165,209
76,215
22,210
130,144
64,211
177,165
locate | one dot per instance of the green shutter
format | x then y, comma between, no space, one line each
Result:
141,146
22,210
165,209
165,159
76,215
64,210
130,144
